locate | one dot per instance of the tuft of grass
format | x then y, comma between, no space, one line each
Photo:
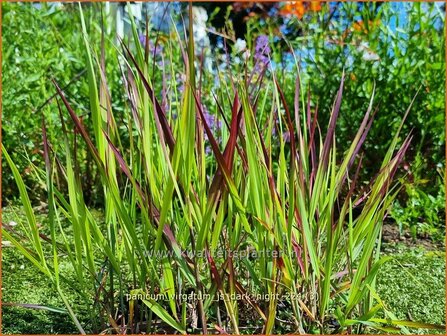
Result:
170,208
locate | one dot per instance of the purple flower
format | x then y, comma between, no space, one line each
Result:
153,50
142,39
180,80
207,149
262,44
262,50
213,123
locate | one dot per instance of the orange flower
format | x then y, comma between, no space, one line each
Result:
286,9
293,8
315,6
299,8
359,26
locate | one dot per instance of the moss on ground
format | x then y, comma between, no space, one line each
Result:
412,285
23,283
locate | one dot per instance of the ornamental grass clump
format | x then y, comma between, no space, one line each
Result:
259,235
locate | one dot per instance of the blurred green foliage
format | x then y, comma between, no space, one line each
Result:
42,42
398,58
38,44
421,212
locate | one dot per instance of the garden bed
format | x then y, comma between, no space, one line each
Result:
280,171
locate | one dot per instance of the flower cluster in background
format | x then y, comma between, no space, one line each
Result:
214,123
154,50
361,26
262,51
299,8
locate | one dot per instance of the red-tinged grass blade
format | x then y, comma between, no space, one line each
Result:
241,290
390,167
308,110
395,164
386,173
355,146
239,150
155,213
365,130
289,126
228,154
301,139
235,122
331,129
225,163
79,126
312,150
292,159
298,254
167,132
132,93
46,149
219,157
124,167
351,190
215,276
272,184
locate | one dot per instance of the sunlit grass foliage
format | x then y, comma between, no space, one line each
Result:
267,207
